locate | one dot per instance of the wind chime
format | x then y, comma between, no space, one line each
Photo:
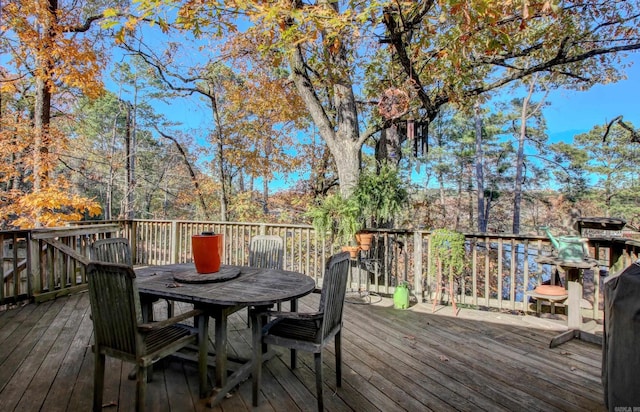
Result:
393,104
417,132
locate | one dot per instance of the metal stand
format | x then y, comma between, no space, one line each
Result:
359,296
573,272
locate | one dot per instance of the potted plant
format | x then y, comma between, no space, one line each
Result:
339,217
381,195
447,253
364,240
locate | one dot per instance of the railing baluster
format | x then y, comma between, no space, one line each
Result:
164,241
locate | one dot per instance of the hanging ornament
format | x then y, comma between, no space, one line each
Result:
393,103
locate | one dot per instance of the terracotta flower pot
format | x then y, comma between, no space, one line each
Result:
207,252
353,251
364,240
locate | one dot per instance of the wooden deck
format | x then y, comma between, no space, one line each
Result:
393,360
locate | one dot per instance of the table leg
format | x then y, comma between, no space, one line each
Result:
201,323
293,357
203,351
221,347
225,384
256,335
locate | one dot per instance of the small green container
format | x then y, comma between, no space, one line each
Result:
401,296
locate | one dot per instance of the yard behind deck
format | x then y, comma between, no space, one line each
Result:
393,360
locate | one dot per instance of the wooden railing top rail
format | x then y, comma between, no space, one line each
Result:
47,233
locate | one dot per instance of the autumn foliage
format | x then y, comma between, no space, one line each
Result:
46,65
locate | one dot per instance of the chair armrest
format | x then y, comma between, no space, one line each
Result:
148,327
316,290
295,315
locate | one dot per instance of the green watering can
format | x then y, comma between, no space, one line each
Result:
401,296
570,248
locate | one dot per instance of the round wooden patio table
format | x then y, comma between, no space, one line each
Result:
252,287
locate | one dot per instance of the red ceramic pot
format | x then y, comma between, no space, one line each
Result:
207,252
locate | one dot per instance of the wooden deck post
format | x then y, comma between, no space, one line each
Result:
33,266
417,267
175,238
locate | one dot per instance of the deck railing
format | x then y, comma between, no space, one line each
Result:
42,264
499,269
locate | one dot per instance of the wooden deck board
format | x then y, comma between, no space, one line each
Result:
445,363
466,344
58,339
392,360
567,381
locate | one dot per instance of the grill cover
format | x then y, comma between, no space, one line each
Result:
621,344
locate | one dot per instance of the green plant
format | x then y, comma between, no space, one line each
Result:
339,217
447,246
447,253
381,194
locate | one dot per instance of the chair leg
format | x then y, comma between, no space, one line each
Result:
318,361
141,389
98,380
170,309
338,344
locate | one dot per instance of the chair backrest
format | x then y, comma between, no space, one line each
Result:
334,288
266,251
115,306
113,250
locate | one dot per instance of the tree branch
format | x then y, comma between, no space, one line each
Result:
191,172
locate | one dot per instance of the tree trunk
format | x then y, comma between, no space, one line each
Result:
343,137
130,165
470,195
42,107
219,156
265,195
389,146
265,179
192,173
517,190
482,218
443,198
108,211
458,199
41,140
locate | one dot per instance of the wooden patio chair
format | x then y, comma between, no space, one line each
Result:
266,251
309,332
113,250
117,250
120,333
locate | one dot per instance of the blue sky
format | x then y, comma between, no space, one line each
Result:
574,112
570,112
